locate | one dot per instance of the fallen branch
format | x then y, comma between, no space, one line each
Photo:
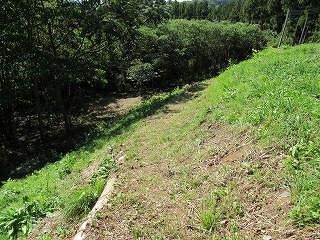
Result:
81,235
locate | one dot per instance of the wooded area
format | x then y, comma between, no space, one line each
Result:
269,14
53,52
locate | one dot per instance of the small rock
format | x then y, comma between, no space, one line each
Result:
120,160
224,223
290,233
266,237
285,194
250,172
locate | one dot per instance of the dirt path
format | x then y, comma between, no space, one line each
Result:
184,180
107,107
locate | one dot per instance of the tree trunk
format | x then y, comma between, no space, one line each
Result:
7,118
61,105
12,132
57,82
35,81
38,109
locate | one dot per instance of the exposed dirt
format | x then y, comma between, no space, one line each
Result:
163,185
106,107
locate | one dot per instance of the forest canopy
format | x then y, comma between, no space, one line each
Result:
269,14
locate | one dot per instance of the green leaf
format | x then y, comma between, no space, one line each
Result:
10,232
24,229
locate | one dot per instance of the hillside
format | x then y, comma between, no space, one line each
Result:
239,161
235,157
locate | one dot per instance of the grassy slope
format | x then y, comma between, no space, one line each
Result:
272,98
230,164
278,94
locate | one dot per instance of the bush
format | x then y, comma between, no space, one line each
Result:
140,74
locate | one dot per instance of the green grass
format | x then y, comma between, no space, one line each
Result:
277,92
59,186
46,190
219,210
277,95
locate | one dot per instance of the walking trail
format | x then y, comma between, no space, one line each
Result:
180,177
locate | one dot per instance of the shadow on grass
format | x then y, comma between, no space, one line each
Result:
88,138
149,107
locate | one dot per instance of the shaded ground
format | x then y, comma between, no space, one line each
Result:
30,154
182,179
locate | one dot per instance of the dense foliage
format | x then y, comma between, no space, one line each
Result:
270,14
181,51
51,50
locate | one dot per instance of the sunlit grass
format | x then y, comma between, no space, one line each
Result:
277,95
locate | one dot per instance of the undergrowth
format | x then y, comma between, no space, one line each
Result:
277,95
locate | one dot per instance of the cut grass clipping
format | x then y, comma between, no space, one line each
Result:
277,95
59,186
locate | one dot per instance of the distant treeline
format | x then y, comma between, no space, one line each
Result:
269,14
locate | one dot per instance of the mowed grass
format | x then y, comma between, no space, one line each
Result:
68,186
277,95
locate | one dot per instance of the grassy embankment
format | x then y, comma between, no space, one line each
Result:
277,94
239,161
233,163
274,96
